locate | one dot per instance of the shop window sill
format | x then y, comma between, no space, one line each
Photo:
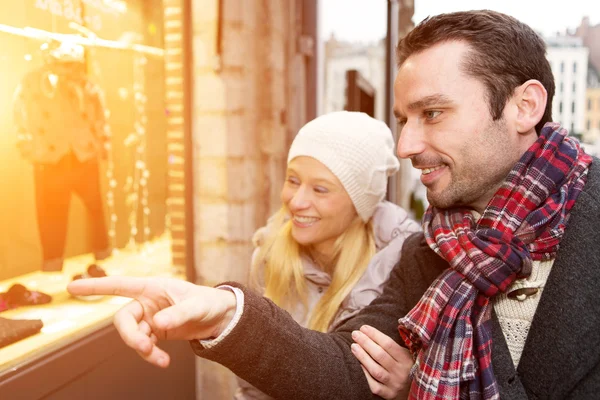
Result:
67,319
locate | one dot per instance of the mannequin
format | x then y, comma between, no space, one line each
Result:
62,131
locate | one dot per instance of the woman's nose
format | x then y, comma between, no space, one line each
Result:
301,199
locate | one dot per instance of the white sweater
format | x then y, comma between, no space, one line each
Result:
515,315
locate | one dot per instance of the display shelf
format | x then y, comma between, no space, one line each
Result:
67,319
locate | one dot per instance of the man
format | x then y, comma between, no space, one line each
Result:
490,306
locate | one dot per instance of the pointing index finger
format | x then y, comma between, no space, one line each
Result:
110,285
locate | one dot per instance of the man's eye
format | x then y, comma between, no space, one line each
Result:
321,189
293,180
432,114
401,123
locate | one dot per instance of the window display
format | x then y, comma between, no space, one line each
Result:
62,131
83,163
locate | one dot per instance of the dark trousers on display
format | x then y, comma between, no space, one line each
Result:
54,184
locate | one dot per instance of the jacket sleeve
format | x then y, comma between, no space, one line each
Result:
246,391
271,351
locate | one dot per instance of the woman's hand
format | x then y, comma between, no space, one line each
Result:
385,363
163,308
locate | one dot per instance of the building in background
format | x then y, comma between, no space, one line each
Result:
590,36
569,60
341,57
592,111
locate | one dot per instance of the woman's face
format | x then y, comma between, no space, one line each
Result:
320,208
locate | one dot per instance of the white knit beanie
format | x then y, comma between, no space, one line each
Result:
357,149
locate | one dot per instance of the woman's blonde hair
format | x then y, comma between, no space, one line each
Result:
278,266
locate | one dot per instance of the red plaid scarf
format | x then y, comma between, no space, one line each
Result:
448,331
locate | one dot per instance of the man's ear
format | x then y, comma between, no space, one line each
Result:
530,99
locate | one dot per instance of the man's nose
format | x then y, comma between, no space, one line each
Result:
411,141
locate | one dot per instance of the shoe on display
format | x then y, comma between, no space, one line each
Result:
95,271
18,295
92,271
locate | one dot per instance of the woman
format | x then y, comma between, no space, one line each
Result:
327,252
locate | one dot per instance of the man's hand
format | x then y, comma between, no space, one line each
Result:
163,308
385,363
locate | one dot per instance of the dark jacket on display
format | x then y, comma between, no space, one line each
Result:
561,358
56,115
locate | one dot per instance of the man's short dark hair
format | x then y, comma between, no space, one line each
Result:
505,53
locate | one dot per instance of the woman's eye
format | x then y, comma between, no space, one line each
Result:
320,189
293,180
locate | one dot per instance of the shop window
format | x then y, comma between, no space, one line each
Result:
84,173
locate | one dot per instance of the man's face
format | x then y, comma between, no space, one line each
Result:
446,129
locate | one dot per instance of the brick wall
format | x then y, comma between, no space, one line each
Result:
248,102
240,127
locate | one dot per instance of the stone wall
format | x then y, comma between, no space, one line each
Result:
248,102
240,126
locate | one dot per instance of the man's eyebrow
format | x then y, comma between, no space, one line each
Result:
436,99
428,101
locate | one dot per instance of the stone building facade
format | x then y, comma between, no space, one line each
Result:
248,92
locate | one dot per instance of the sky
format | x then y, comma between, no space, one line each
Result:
365,20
